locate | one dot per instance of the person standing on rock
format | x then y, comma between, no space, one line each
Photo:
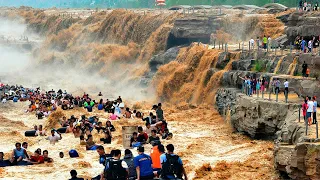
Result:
251,43
315,105
258,85
304,68
303,45
310,44
263,81
254,86
308,72
304,110
309,110
300,5
277,84
286,87
249,81
265,42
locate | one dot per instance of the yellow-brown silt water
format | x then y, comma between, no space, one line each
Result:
292,67
278,65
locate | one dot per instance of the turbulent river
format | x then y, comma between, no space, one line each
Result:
205,141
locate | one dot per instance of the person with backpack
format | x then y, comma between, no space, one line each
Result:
172,166
116,169
143,165
129,159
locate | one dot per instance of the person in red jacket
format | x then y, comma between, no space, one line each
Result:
36,158
304,109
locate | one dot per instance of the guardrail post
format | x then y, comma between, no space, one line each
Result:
317,129
299,112
306,123
270,94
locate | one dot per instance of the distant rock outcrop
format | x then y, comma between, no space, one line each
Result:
301,25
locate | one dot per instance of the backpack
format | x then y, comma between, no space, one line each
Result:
171,167
115,170
132,170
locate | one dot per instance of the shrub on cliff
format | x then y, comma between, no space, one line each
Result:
259,66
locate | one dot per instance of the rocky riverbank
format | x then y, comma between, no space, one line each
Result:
296,156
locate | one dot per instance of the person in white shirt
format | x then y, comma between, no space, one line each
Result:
309,110
286,87
55,137
310,46
251,43
4,100
315,105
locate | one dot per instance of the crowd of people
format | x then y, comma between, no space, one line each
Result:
252,85
310,5
264,43
309,110
157,164
306,45
20,156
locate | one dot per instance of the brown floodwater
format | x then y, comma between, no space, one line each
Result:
204,140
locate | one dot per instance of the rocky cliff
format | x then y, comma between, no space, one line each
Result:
295,155
300,162
303,25
258,118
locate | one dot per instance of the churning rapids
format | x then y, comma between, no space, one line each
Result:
109,52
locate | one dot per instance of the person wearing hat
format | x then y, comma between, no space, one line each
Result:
143,165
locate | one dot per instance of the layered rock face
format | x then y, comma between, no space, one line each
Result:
257,117
301,25
295,156
188,27
301,161
187,30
